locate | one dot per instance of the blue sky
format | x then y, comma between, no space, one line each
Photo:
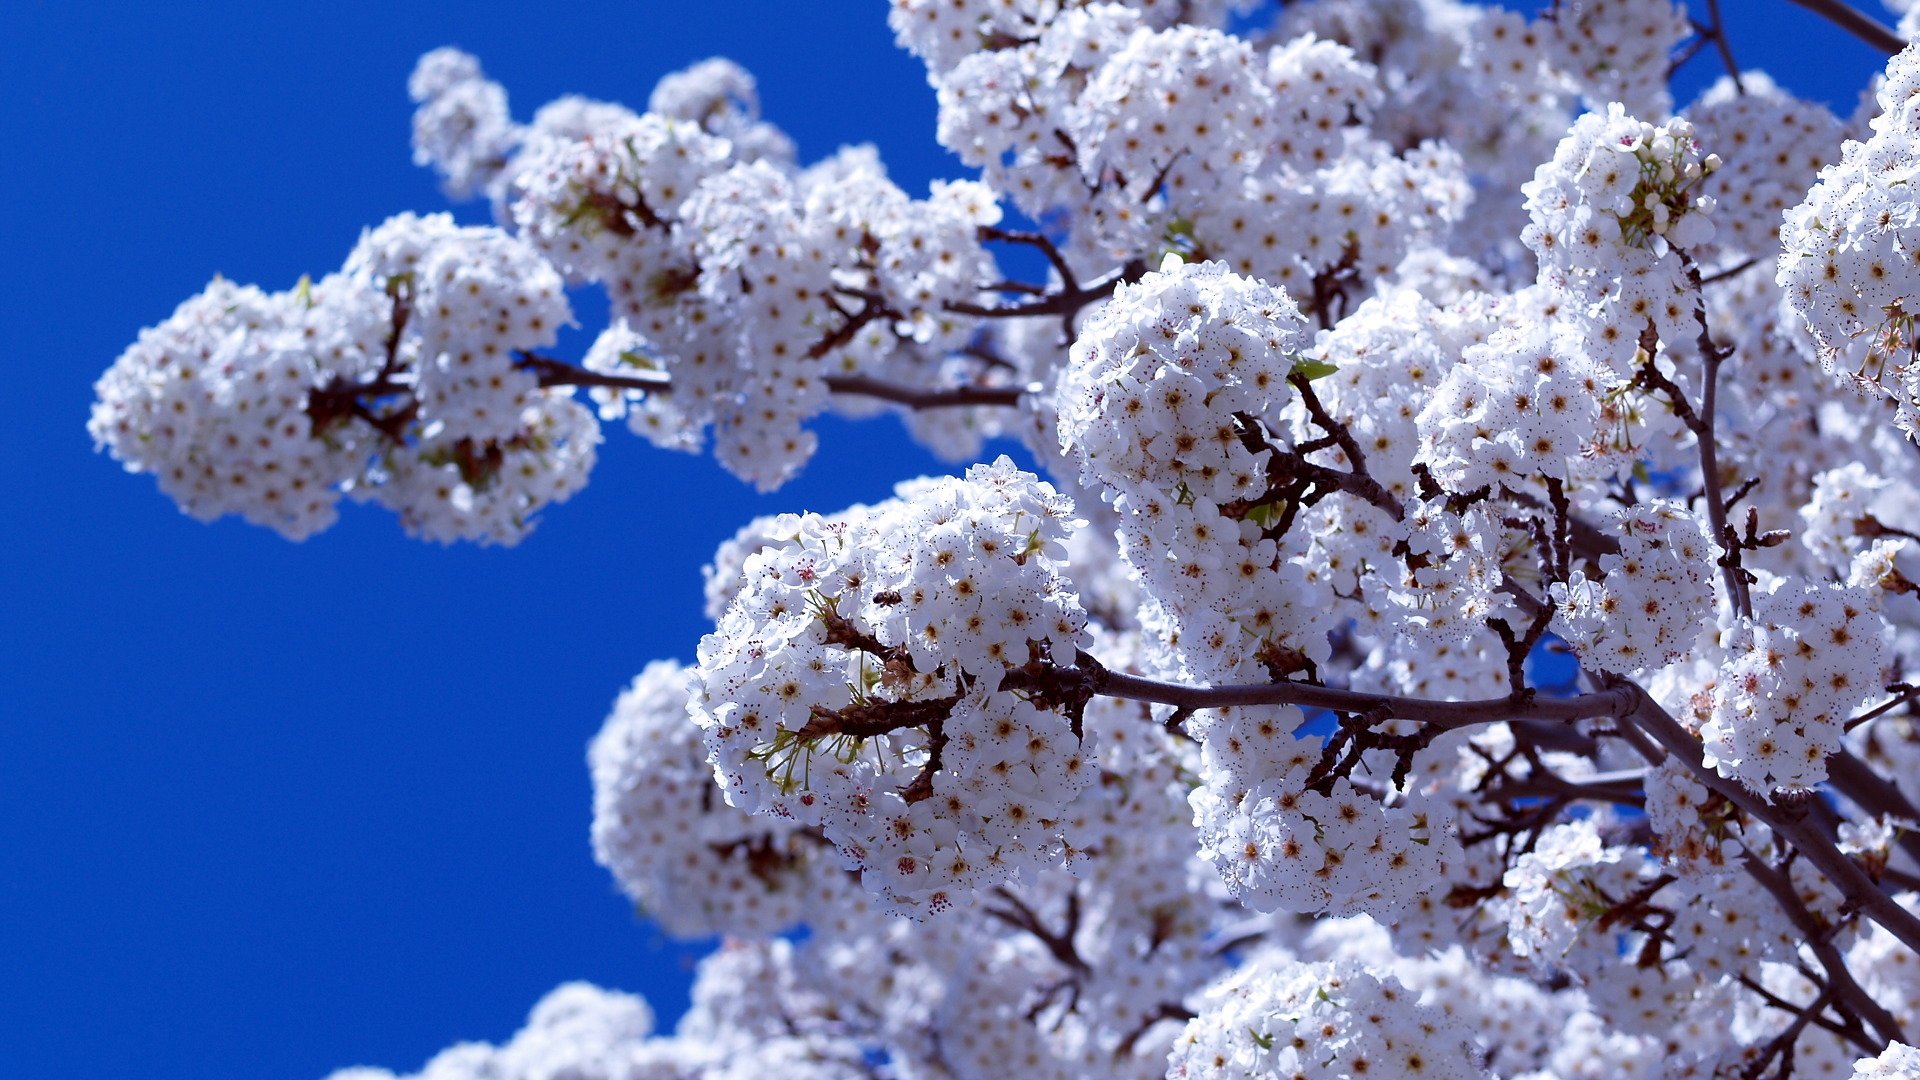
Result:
267,809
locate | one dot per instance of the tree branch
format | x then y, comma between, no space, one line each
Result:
1718,33
1854,22
1613,702
1065,303
919,398
555,372
1845,874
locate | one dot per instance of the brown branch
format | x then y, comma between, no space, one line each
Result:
341,397
1036,240
1293,480
1059,944
1359,481
1621,789
1587,540
1730,272
1862,893
1734,575
915,397
1778,1002
1065,303
1901,695
1854,22
875,718
875,308
1840,984
1718,32
1781,1045
1166,1010
555,372
1615,702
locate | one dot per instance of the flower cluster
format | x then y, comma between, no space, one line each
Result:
1183,107
1100,115
724,99
1898,1060
1283,839
1848,267
213,402
1172,405
1321,1021
1793,675
398,379
577,1029
1348,222
1771,146
1654,600
1617,50
1613,217
1309,661
750,1017
1838,522
745,281
692,863
1524,406
857,684
461,127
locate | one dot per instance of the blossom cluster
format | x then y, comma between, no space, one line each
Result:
1172,406
1848,263
1794,673
744,278
1614,215
397,380
692,863
1321,1021
1654,601
1280,842
856,683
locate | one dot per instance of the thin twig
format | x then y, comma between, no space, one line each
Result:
1719,35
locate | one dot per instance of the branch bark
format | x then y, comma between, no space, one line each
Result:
1855,22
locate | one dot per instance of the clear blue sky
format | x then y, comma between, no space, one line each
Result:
267,809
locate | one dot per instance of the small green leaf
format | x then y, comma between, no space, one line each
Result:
1313,369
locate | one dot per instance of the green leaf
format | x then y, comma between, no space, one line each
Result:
1313,369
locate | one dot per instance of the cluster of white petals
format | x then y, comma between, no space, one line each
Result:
1655,599
1794,673
1897,1062
461,125
1526,405
1617,50
1769,143
750,1018
854,684
1282,843
1614,215
1321,1021
397,380
692,863
1174,394
1848,264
